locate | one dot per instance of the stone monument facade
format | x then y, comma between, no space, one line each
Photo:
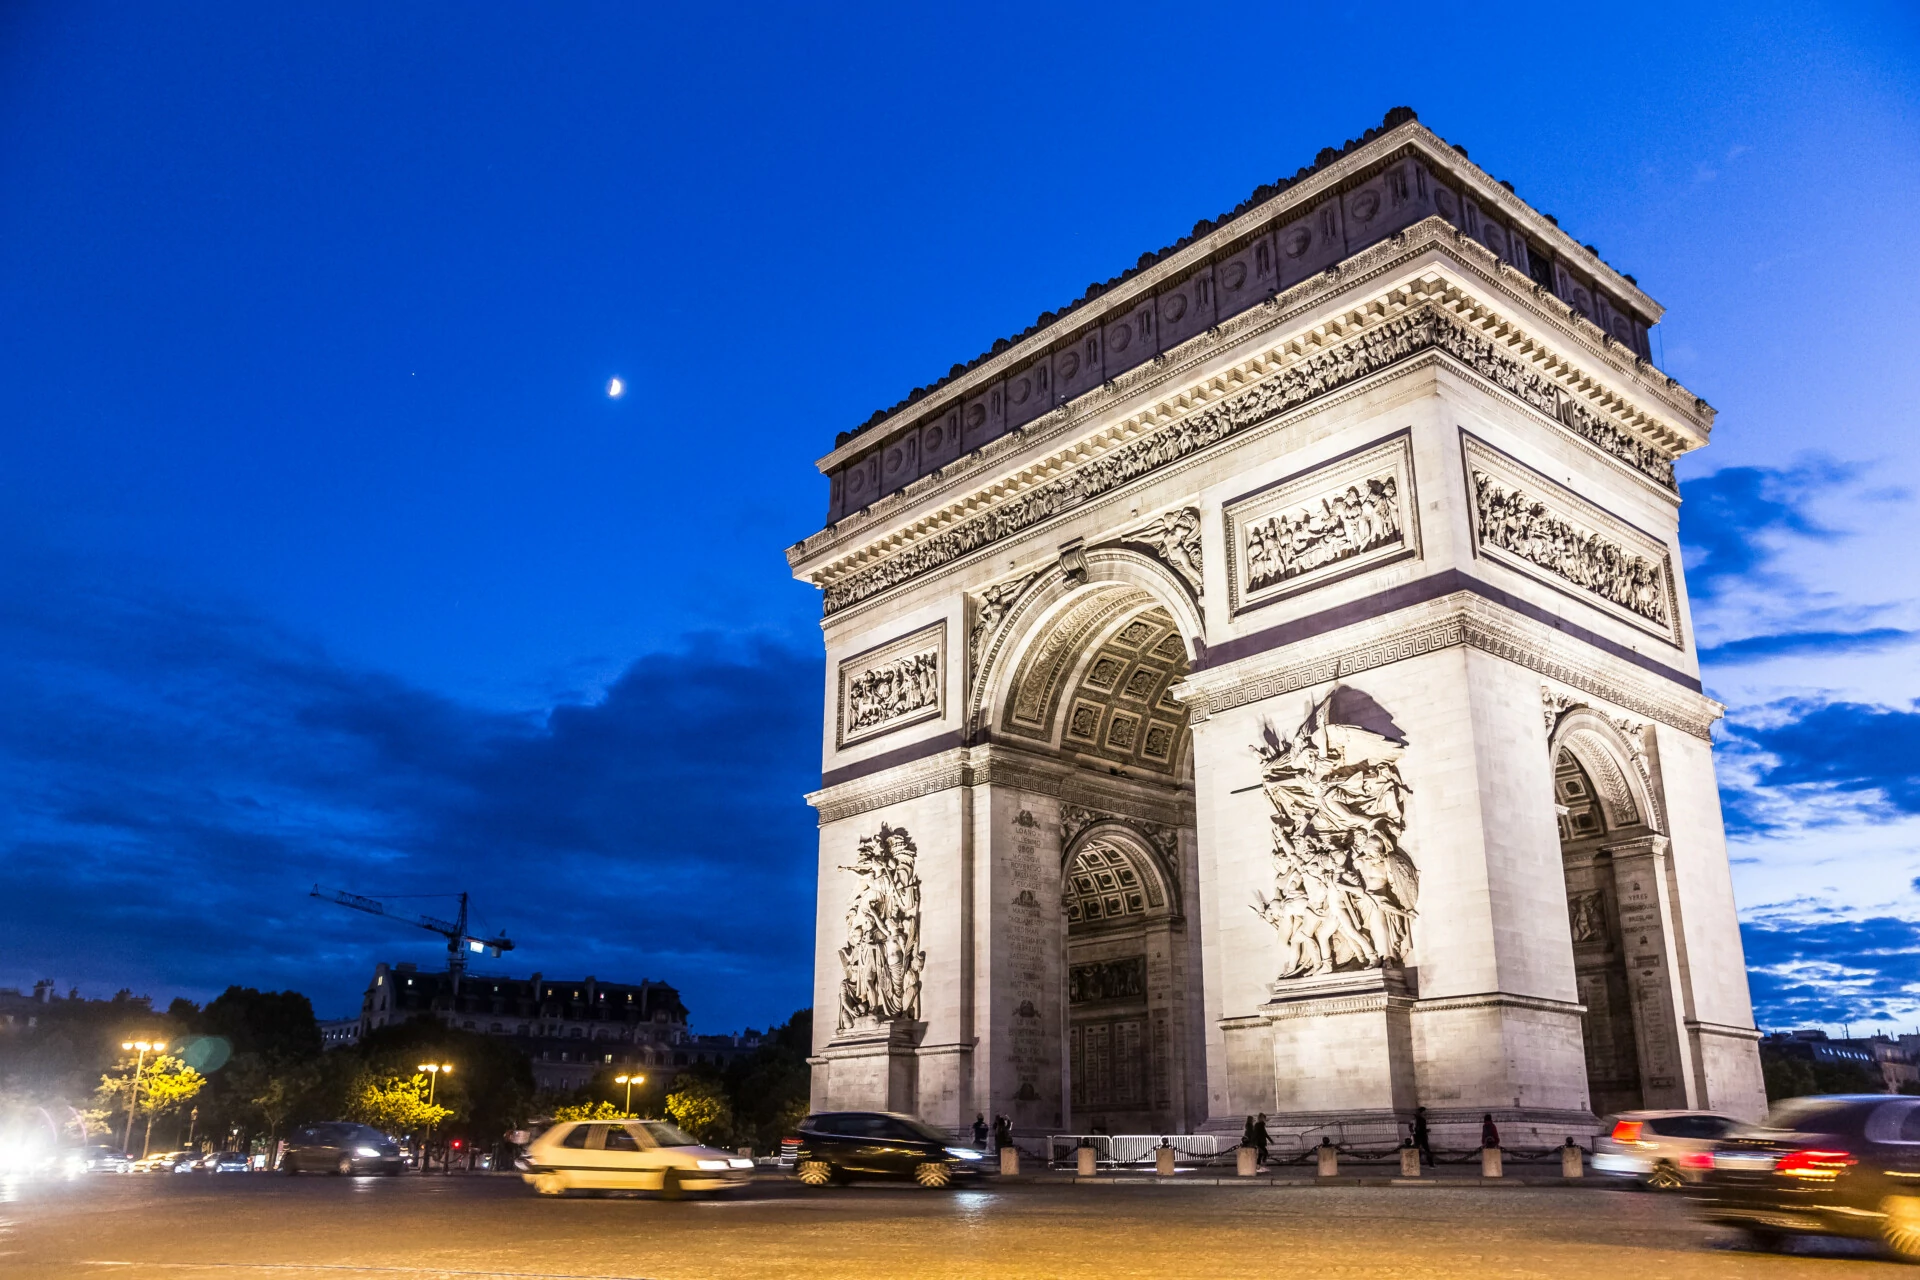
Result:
1266,685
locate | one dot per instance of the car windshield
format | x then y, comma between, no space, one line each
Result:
1805,1115
920,1129
662,1134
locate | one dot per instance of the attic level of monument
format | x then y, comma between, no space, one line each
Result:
1374,191
1467,305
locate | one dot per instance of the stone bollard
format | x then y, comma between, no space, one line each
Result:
1163,1160
1490,1162
1087,1167
1246,1162
1572,1161
1329,1159
1409,1161
1010,1161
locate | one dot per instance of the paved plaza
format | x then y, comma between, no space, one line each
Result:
200,1228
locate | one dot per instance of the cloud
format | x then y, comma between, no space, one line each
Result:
178,773
1830,971
1797,643
1868,754
1730,520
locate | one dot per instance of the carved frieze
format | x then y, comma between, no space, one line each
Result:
1341,518
893,685
1346,892
1587,915
1124,979
882,960
1423,329
1527,522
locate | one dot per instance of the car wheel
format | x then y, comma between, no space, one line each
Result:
933,1173
289,1165
814,1173
1664,1177
345,1166
551,1184
1900,1229
670,1188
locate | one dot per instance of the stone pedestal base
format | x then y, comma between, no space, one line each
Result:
870,1066
1343,1043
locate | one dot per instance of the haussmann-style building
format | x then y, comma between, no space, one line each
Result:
1267,685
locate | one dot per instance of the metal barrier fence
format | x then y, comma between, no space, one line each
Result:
1131,1148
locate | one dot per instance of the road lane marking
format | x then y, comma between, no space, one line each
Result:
350,1268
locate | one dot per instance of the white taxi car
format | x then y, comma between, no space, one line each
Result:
1663,1150
629,1155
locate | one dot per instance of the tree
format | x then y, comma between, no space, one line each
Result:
771,1087
394,1104
589,1111
163,1086
700,1106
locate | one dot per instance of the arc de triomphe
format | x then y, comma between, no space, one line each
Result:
1267,685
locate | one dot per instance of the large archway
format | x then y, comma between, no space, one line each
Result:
1082,688
1602,808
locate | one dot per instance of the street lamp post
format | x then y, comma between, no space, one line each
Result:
133,1103
629,1081
433,1070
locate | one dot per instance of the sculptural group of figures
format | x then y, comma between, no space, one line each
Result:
1284,546
1346,892
882,960
1515,521
893,689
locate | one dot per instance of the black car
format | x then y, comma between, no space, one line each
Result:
840,1146
341,1148
1844,1166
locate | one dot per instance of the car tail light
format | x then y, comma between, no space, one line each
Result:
1813,1162
1627,1133
1696,1160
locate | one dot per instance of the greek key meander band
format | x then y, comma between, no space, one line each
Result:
1424,329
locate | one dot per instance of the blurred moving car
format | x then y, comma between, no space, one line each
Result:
101,1158
162,1161
841,1146
631,1155
1665,1150
1847,1165
341,1148
226,1162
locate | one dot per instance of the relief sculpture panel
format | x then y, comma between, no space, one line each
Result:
881,962
1346,892
1529,523
1343,517
894,685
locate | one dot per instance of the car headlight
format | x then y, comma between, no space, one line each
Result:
739,1162
368,1152
712,1164
966,1153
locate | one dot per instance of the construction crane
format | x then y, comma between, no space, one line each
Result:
459,941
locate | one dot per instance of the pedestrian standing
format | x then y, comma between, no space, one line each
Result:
1260,1138
1002,1132
1246,1134
1489,1132
980,1130
1422,1140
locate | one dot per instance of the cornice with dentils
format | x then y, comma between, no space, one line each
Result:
1490,296
1354,167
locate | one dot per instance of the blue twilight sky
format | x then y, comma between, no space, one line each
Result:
325,557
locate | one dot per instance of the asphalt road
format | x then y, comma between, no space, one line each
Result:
205,1227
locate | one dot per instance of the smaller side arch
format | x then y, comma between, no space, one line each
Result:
1608,758
1159,885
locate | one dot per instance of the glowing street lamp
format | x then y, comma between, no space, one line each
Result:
629,1081
433,1070
139,1064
